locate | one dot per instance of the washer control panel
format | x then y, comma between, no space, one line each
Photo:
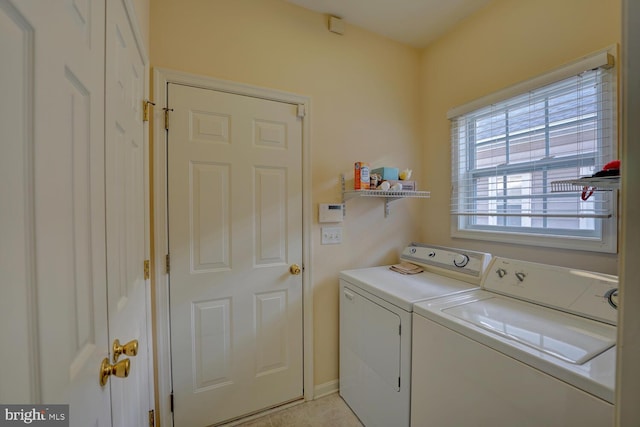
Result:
581,292
469,264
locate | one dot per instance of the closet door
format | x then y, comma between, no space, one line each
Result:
53,308
128,289
235,240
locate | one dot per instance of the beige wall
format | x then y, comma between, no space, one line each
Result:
142,14
379,101
364,107
507,42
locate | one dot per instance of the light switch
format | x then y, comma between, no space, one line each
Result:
331,235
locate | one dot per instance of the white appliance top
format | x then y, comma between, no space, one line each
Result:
465,269
585,293
528,311
570,338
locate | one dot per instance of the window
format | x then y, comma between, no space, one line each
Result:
509,148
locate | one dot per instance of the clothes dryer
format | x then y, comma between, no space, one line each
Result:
375,326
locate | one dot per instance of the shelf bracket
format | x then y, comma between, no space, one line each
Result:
344,200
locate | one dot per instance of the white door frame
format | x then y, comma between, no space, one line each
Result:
628,348
161,77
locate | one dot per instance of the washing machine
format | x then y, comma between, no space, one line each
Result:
375,326
535,346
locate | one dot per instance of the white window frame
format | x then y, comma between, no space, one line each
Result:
606,241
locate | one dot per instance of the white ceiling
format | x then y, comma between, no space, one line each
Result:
414,22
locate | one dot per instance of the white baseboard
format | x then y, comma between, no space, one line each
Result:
322,390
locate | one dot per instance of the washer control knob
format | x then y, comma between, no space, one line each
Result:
612,297
460,260
432,254
520,275
501,272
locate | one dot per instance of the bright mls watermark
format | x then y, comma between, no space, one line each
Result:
37,415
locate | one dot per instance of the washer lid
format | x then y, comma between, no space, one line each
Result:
403,290
570,338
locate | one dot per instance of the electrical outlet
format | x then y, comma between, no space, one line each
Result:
331,235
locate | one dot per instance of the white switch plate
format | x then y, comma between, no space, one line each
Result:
331,235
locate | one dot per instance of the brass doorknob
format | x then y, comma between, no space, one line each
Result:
294,269
120,370
130,349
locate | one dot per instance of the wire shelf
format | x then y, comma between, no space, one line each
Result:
388,195
604,183
350,194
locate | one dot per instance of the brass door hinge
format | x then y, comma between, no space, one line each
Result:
145,109
166,117
147,269
167,264
152,418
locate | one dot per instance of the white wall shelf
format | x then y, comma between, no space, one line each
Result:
388,196
604,183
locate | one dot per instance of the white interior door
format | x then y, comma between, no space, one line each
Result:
53,307
125,176
235,228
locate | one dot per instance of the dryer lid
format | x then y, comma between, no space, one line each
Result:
568,337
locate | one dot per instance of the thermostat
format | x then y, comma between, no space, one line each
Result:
328,212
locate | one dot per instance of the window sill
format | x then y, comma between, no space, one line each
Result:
608,244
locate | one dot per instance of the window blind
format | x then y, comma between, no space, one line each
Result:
506,154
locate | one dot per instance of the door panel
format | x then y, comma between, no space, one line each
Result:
212,338
235,226
52,119
210,194
77,102
17,209
271,332
270,227
371,334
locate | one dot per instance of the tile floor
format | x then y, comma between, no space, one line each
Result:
327,411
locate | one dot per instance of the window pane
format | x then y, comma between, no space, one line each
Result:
529,116
490,155
572,139
490,126
563,107
508,154
527,148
